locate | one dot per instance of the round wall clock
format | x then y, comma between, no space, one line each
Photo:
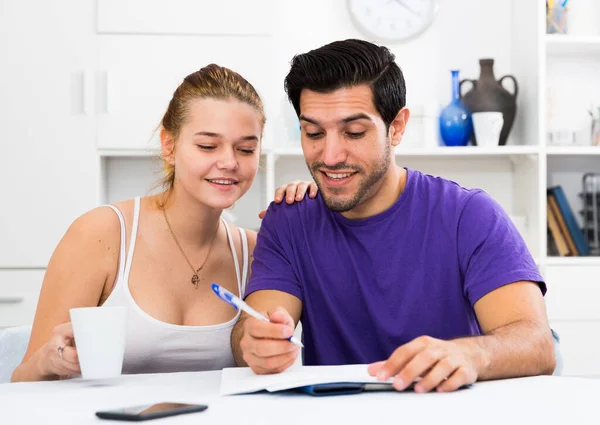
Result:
393,20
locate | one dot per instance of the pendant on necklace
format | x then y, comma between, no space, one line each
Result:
195,280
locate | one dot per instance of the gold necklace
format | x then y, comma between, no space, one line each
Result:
195,277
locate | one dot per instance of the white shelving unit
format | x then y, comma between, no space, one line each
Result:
568,85
560,44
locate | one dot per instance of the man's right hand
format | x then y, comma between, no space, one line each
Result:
265,346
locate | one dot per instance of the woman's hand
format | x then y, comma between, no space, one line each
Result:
293,192
59,356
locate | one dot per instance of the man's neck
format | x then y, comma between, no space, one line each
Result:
384,196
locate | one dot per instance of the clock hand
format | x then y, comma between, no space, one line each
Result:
404,5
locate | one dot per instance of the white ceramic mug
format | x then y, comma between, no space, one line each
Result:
487,126
100,340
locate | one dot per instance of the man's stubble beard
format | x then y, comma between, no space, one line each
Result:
364,187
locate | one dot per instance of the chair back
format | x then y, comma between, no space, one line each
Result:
13,344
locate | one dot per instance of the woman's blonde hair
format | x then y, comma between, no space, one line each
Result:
212,81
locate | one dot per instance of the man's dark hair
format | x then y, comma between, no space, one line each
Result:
349,63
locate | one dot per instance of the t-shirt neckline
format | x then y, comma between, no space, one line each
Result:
402,199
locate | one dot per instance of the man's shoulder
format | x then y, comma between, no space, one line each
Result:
457,203
296,213
446,190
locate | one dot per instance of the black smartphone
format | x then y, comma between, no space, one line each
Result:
150,411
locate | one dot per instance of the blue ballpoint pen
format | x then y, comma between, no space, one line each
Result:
228,297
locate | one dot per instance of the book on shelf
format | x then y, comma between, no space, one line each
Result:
563,249
563,231
568,236
551,247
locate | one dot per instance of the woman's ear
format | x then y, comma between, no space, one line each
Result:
167,146
398,126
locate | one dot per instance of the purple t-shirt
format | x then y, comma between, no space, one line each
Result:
368,286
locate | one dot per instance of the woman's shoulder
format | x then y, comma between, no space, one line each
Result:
98,220
250,234
102,222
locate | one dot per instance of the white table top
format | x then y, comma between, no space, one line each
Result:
541,400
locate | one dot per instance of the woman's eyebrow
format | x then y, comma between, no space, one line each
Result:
252,137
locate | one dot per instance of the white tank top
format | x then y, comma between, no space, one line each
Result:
153,346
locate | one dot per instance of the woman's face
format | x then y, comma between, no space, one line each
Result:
218,150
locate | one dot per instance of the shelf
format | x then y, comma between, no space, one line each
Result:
496,151
573,150
437,151
108,153
573,261
136,153
564,44
467,151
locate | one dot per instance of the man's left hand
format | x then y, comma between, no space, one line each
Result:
442,365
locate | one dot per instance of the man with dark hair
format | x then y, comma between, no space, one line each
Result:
412,273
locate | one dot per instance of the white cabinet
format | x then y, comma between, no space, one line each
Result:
572,303
138,74
191,17
580,347
49,165
573,293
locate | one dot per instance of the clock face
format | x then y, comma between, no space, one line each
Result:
393,20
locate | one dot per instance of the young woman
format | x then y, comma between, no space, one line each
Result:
158,255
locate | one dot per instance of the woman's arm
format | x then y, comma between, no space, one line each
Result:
77,274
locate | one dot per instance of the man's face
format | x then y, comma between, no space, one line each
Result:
345,143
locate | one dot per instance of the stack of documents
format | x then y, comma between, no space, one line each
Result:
314,380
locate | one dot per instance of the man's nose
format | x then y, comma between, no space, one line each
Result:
334,151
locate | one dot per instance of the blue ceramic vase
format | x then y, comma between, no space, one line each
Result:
456,126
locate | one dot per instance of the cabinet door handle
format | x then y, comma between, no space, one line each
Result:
81,89
11,300
107,98
87,88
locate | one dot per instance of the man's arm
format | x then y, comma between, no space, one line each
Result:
517,342
261,345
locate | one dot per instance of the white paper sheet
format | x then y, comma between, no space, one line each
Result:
242,380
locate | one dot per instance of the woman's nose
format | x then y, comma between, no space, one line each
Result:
227,160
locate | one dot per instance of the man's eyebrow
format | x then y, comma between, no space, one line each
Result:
355,117
310,120
359,116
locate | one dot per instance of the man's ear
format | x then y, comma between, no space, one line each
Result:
167,146
398,126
